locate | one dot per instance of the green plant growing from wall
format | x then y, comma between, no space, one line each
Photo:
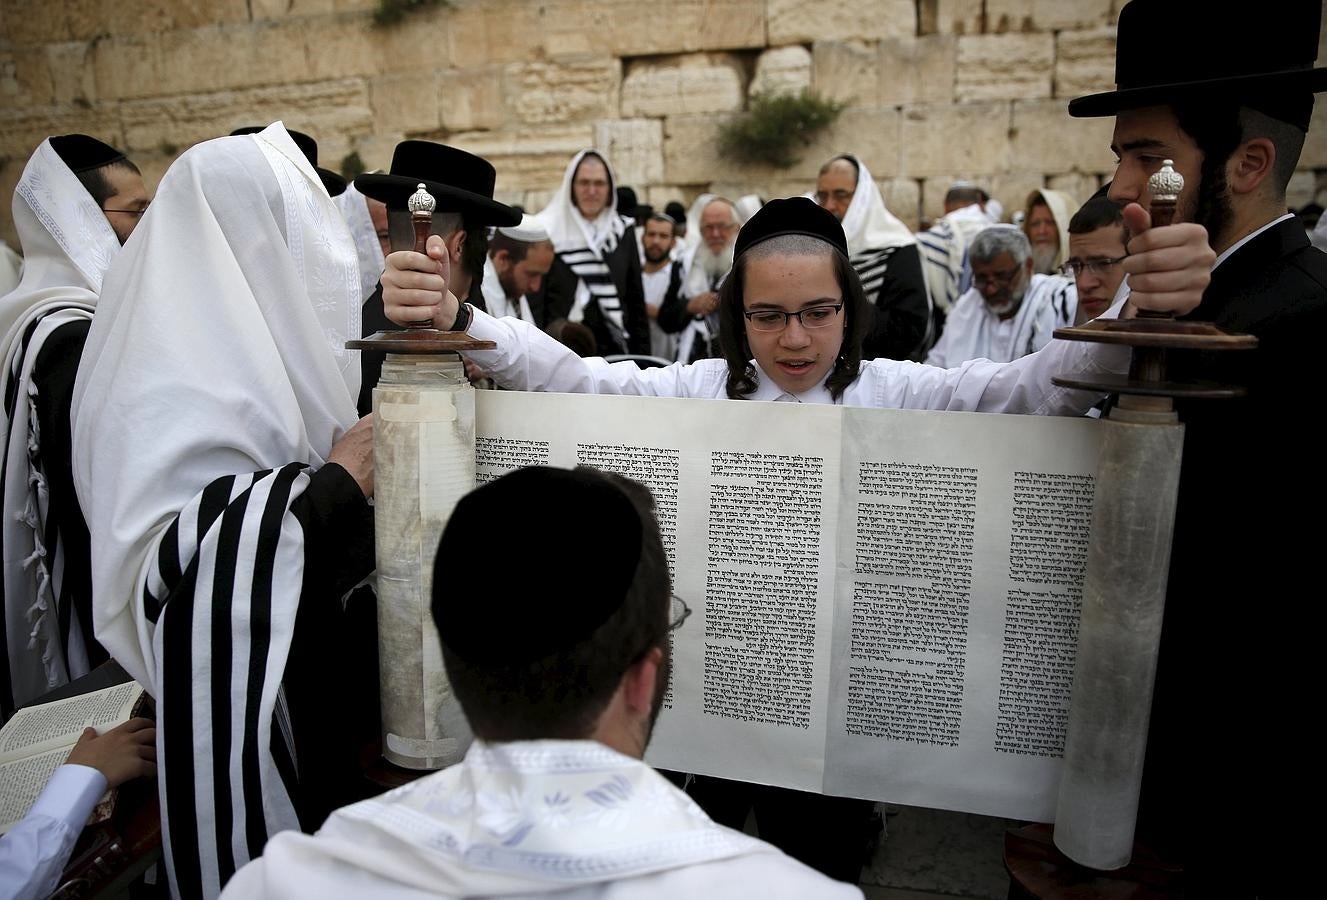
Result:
393,12
776,126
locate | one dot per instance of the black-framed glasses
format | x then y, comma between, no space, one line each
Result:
1097,265
777,319
129,212
677,612
1006,277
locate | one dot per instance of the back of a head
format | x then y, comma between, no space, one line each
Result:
961,195
536,651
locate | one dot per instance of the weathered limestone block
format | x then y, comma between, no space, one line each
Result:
794,21
690,84
918,70
10,171
25,78
1046,15
471,99
1005,66
1012,189
903,197
527,157
41,21
406,103
322,109
959,16
1045,139
1084,62
634,147
1078,185
847,71
338,46
691,154
22,129
941,139
72,77
783,70
545,93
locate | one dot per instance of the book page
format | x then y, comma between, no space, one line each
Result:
50,725
747,505
23,780
962,552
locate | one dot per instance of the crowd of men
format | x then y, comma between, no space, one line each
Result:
188,475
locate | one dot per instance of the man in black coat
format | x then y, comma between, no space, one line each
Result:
1228,767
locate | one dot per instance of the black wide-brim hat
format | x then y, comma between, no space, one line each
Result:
335,184
1170,51
461,182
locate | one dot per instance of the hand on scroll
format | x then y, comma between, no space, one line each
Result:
354,453
414,286
1169,267
127,751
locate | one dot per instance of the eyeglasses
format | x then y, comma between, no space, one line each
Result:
997,277
1097,266
718,228
777,320
677,612
129,212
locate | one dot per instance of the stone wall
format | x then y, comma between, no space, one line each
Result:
935,89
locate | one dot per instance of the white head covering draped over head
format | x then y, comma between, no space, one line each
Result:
583,245
212,378
68,246
868,224
1062,208
368,250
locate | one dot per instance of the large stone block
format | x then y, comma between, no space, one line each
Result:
1005,66
72,78
41,21
1012,189
22,129
960,16
903,197
691,149
1046,15
1315,146
321,109
1084,62
339,46
531,157
546,93
25,78
1045,139
847,71
634,147
920,70
799,21
10,171
405,103
942,139
783,70
701,83
471,99
1078,185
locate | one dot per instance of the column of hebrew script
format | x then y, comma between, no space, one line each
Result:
1048,540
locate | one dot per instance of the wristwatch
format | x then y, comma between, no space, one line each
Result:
463,316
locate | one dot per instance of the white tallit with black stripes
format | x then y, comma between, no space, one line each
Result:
585,245
873,232
69,246
212,381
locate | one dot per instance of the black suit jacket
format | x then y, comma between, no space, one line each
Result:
1229,761
899,310
623,263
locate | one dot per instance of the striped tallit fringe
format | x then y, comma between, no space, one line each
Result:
590,268
937,251
223,594
870,266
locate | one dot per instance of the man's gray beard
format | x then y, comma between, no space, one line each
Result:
1010,306
714,265
1043,258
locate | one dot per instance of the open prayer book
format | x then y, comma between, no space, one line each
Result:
886,602
36,741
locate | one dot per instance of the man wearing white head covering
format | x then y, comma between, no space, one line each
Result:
944,248
519,258
692,312
1046,224
1010,310
70,241
884,254
595,279
225,479
356,210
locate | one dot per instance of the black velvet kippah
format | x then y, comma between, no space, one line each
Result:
82,153
794,215
509,583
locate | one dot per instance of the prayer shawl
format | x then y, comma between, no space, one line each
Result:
495,297
972,331
698,339
519,819
11,268
583,246
355,211
873,232
214,377
69,246
944,251
1062,209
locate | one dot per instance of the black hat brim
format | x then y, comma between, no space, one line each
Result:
395,190
1111,102
335,184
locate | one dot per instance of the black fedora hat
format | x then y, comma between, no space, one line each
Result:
468,188
1174,50
334,183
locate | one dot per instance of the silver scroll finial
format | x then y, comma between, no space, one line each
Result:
421,201
1166,183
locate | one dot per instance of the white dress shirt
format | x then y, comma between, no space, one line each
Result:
34,852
